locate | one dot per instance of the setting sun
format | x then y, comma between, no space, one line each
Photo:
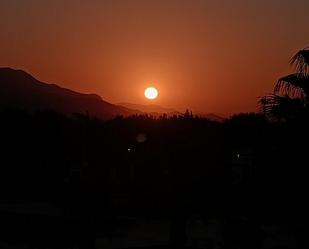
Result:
151,93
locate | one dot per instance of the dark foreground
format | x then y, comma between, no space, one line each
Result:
178,182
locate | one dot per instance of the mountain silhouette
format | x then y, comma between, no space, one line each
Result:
212,116
157,110
19,89
150,109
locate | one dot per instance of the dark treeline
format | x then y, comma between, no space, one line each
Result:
245,172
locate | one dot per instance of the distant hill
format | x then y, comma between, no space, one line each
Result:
211,116
150,109
19,89
157,110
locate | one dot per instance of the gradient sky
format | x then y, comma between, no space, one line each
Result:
206,55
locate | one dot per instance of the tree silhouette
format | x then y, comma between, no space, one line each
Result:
291,93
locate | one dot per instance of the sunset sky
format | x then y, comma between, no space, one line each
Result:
205,55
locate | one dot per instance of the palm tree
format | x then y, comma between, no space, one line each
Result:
291,93
301,60
281,107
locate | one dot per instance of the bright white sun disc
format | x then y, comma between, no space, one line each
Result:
151,93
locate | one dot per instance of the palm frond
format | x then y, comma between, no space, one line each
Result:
268,103
301,60
293,85
279,106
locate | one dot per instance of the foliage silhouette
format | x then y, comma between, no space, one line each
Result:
291,93
238,173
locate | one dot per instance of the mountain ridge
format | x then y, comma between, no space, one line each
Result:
150,108
21,90
157,110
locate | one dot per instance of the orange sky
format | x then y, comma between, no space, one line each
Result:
206,55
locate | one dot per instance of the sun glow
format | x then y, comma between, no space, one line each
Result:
151,93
